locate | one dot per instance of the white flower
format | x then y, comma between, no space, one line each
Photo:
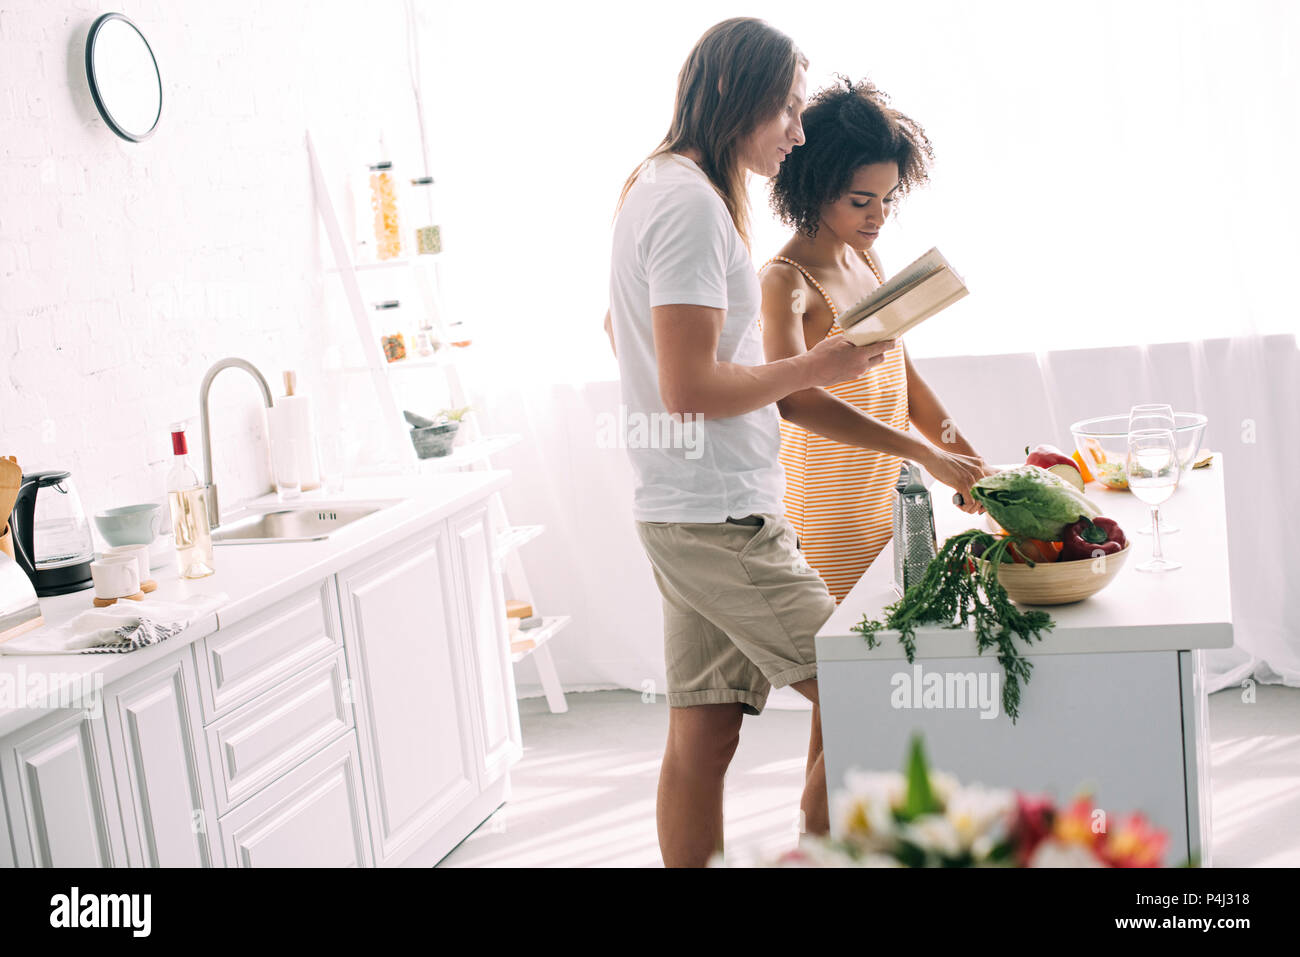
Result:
887,786
933,834
944,785
979,816
1053,853
864,809
819,851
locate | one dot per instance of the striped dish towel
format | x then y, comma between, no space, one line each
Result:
117,629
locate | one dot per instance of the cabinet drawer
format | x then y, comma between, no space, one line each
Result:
251,656
315,816
255,744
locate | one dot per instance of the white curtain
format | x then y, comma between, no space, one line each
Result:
1114,180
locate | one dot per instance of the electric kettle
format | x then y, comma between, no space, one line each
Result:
51,535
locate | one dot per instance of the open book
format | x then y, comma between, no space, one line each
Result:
911,296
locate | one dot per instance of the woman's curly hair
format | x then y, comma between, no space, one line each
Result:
845,127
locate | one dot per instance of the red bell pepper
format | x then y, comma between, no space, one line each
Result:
1045,456
1088,536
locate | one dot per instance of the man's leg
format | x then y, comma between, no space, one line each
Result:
701,742
813,804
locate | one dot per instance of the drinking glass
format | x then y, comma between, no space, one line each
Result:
333,457
287,464
1153,469
1154,415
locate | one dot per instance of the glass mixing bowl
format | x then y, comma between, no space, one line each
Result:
1103,444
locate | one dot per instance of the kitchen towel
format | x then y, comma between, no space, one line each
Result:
117,629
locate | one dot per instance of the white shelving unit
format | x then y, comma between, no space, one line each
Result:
474,450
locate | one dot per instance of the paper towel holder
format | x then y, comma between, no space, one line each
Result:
293,421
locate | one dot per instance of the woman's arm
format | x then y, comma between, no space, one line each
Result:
930,417
818,411
815,409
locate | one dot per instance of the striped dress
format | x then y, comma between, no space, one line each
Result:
839,498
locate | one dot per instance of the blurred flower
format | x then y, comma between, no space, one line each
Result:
934,835
1032,823
1054,853
1135,843
1074,824
928,818
865,808
980,815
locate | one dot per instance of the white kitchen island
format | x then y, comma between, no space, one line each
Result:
1115,704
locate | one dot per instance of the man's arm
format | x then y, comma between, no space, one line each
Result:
692,380
816,409
609,331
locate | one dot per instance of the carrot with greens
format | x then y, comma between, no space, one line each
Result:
952,595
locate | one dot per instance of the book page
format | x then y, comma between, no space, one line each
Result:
909,309
899,283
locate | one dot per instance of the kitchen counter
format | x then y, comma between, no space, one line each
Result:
251,576
1186,608
1115,704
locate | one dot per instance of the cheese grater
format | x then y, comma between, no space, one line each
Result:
914,541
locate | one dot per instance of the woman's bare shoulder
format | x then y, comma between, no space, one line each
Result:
779,276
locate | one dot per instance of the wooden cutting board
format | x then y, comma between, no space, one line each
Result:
11,477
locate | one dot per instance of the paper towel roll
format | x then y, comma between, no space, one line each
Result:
290,419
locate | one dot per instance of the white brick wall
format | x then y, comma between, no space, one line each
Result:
127,269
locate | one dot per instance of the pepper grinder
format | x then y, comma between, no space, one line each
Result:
914,541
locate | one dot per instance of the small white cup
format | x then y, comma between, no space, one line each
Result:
137,553
116,578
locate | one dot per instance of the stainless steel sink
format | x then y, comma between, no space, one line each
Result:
300,524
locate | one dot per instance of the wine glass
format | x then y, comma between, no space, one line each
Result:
1154,415
1153,469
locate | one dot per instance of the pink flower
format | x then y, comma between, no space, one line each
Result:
1031,823
1135,843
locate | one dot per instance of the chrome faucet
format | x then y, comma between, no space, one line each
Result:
209,486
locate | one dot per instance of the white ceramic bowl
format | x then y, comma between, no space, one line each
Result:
130,524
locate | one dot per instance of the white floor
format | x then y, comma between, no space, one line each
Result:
584,791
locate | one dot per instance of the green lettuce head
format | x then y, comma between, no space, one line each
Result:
1031,502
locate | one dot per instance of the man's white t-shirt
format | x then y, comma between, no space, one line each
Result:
674,242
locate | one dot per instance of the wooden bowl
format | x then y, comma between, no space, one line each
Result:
1060,583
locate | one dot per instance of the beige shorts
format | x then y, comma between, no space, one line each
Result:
741,608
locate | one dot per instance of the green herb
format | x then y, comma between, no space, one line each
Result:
453,415
951,594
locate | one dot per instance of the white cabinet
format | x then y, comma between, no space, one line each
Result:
155,736
59,793
366,719
255,653
400,624
487,643
255,744
315,816
6,845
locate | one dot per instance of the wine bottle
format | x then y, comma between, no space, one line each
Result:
189,507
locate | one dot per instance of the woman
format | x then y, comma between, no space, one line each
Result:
842,446
740,608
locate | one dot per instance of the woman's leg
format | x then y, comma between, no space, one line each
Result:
813,804
701,742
